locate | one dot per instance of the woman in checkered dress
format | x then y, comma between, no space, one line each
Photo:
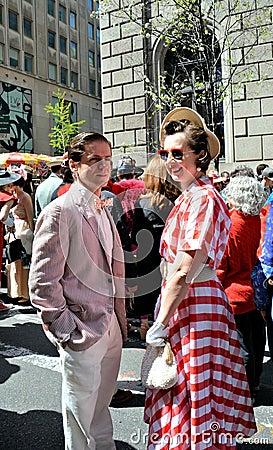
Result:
210,406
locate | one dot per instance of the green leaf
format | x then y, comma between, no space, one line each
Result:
63,130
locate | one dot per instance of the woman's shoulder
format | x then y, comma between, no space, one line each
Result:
203,196
24,197
203,191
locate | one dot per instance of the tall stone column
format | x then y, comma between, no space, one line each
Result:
123,80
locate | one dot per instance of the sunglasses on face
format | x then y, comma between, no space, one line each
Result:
176,153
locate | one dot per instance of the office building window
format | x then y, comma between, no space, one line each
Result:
63,75
1,15
92,87
97,6
91,58
51,39
27,28
73,49
98,36
63,44
99,90
13,21
62,14
28,63
13,57
74,80
90,5
1,53
90,30
98,62
52,72
72,19
51,7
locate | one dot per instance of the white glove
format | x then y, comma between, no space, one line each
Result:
156,335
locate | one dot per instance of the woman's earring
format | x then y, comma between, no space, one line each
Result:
203,157
198,169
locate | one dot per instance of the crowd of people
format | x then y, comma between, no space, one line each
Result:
178,245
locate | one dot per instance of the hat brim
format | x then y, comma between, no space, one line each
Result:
184,113
268,173
138,171
54,163
9,178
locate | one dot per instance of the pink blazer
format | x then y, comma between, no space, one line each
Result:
74,283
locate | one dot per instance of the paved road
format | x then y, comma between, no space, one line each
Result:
30,391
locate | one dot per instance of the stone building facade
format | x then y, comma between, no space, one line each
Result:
128,58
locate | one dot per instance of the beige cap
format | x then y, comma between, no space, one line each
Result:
194,118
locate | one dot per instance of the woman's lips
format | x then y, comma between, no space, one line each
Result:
177,171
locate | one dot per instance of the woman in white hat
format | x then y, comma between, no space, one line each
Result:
210,404
7,200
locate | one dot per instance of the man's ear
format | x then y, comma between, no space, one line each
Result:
73,166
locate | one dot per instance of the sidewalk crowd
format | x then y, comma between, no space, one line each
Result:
176,244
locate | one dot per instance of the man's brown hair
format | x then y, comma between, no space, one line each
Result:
77,145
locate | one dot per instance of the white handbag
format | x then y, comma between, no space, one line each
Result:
158,368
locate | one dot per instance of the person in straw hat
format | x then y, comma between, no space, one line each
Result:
210,404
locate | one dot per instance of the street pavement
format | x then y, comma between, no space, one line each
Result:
30,390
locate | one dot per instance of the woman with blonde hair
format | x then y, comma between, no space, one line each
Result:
158,181
150,215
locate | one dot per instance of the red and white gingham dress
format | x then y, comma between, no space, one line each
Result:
210,405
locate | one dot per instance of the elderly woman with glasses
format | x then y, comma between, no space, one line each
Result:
210,404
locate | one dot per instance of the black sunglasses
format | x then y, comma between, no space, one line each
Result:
176,153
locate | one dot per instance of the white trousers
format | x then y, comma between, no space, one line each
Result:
88,383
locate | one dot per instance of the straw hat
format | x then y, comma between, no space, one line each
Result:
8,178
56,161
194,118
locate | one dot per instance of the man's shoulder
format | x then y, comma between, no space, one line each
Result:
67,200
53,207
43,185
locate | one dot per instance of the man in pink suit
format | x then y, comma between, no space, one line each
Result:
77,285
